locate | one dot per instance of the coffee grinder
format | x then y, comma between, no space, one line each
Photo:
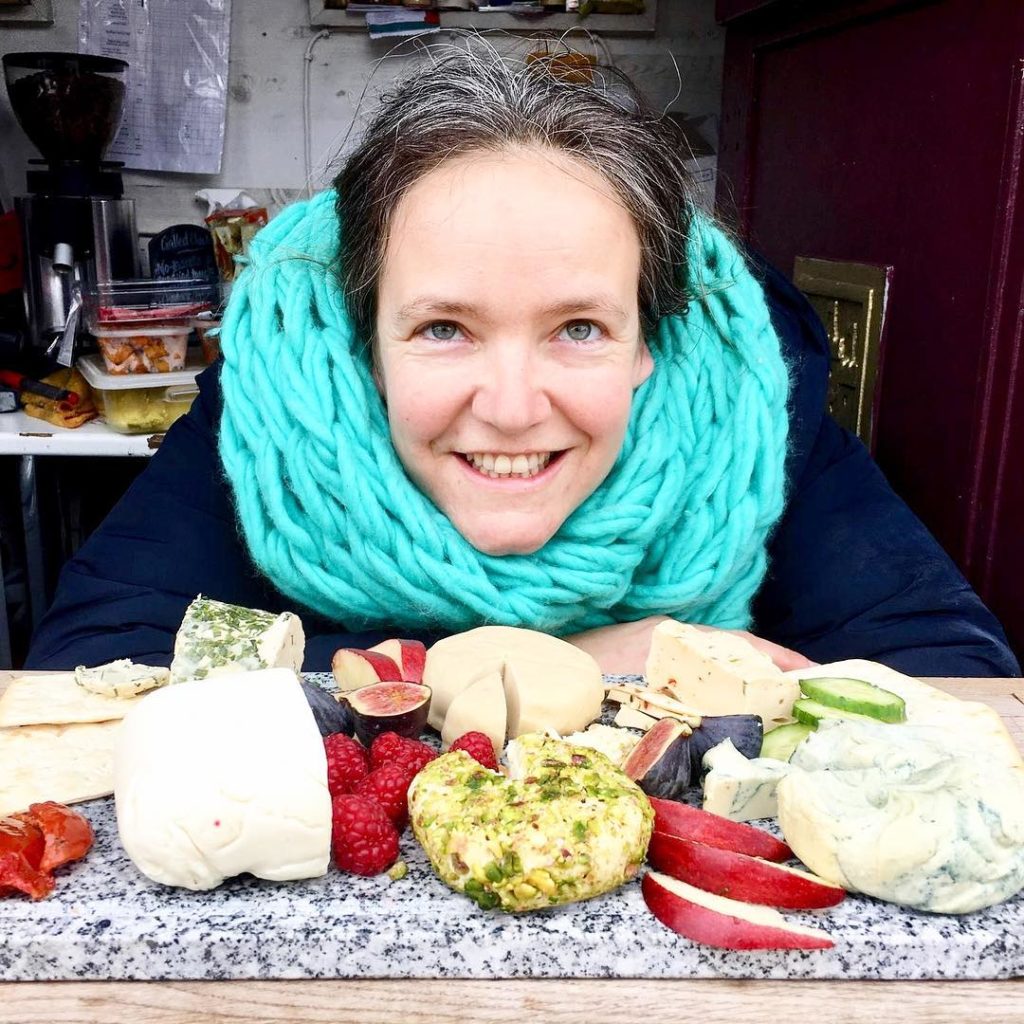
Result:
77,228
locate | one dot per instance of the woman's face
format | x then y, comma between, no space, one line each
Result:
509,341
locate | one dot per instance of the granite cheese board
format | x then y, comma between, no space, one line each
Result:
106,921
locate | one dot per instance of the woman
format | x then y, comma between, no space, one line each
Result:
505,373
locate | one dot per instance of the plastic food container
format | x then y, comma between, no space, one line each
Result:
143,348
207,328
112,304
137,404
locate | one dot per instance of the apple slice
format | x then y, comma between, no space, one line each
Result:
727,873
353,668
687,822
728,924
409,655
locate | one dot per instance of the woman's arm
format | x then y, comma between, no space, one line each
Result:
853,573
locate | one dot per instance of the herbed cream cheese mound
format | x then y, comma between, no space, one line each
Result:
220,776
912,814
565,826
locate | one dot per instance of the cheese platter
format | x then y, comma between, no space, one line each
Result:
218,857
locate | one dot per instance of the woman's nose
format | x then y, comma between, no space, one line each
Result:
512,392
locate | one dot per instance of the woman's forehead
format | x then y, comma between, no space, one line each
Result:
518,220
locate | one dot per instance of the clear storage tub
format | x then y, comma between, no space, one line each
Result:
143,348
137,403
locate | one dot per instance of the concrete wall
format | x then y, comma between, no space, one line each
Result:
263,146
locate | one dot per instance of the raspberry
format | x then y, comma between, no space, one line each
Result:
347,763
384,748
479,747
389,786
413,755
362,836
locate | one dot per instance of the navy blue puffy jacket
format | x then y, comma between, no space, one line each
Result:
852,572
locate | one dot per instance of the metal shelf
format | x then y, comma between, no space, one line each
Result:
339,20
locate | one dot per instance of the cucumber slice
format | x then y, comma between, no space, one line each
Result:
781,742
856,696
811,712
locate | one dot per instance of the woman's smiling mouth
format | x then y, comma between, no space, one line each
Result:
503,466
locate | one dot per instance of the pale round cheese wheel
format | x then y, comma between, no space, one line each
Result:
547,683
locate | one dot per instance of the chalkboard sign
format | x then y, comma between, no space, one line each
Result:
183,251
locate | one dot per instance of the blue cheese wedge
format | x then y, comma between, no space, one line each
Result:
719,673
122,678
217,638
741,788
918,815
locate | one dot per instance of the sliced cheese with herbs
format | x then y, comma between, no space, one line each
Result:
217,638
222,776
719,673
918,815
547,683
741,788
121,678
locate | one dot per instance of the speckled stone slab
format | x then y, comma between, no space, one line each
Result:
107,921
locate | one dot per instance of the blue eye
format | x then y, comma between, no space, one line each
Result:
441,330
581,331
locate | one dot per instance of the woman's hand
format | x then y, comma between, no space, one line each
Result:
622,649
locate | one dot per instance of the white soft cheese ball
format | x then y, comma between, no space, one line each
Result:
220,776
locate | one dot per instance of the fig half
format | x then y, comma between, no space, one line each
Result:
661,763
389,707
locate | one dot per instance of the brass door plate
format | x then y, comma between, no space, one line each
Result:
851,300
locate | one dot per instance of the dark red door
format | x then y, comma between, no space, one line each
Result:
891,133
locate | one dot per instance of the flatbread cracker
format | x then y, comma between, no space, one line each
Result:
66,763
57,700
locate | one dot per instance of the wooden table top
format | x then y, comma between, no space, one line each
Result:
566,1001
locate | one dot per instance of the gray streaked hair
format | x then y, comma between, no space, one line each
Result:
471,100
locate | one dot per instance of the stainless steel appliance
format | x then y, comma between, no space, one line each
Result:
76,226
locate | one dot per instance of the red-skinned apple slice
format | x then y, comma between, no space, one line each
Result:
687,822
409,655
353,668
717,921
727,873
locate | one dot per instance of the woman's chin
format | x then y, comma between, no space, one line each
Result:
520,539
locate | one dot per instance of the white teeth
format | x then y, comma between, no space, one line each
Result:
499,467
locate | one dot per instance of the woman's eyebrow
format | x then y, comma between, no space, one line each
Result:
425,305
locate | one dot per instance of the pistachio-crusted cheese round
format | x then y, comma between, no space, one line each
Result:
567,824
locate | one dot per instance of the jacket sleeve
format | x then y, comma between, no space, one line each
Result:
854,574
170,537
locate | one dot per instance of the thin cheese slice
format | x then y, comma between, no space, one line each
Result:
479,708
121,678
57,700
66,763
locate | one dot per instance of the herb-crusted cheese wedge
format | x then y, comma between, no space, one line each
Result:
566,826
216,638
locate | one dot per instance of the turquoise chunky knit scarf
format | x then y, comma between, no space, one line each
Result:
677,528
